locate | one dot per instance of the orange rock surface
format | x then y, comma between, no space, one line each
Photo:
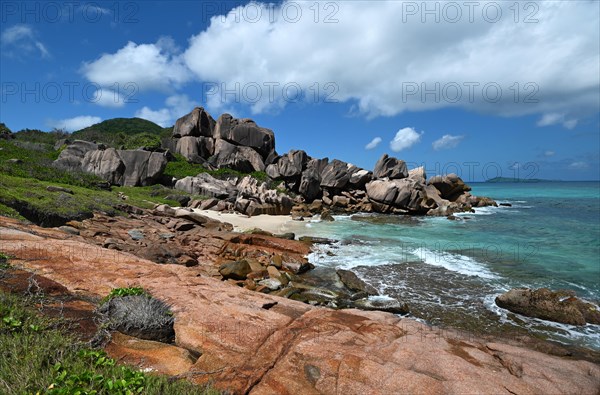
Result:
248,344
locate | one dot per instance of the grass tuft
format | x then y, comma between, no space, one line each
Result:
39,356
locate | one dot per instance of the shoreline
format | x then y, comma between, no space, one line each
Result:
236,330
276,224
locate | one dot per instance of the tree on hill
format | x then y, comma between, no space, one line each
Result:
120,132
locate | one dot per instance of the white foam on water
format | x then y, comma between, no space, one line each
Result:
454,262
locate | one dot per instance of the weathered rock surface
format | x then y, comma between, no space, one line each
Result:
195,124
240,158
450,186
351,280
70,158
245,132
560,306
260,344
206,185
390,167
120,167
335,175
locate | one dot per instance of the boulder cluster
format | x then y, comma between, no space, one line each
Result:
238,144
297,183
119,167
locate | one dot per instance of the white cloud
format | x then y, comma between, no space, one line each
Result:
160,117
570,124
176,107
549,153
75,123
554,61
556,118
373,144
579,165
405,138
21,40
447,141
109,98
146,66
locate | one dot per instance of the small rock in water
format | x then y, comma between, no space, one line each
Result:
394,306
505,204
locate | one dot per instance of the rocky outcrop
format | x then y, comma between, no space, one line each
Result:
389,167
450,186
119,167
206,185
238,144
397,196
244,159
560,306
195,124
335,175
255,198
256,343
70,158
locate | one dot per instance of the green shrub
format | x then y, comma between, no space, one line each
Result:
146,140
39,356
129,291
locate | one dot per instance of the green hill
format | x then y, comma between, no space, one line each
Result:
127,132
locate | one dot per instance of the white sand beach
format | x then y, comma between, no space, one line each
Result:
270,223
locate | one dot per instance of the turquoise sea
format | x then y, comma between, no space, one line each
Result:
450,271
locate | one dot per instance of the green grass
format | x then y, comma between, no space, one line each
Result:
31,200
181,168
129,291
38,164
39,356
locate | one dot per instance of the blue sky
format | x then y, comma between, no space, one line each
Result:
482,89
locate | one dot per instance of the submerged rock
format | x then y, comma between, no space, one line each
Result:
351,280
559,306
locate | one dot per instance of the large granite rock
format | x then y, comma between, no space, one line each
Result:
120,167
195,149
197,123
70,158
335,175
141,167
400,194
390,167
245,132
450,186
560,306
106,164
255,198
240,158
206,185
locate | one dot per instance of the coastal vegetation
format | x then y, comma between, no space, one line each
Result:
42,355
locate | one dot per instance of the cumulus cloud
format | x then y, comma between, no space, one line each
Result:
578,165
405,138
556,118
75,123
21,40
143,67
447,141
391,66
176,107
373,144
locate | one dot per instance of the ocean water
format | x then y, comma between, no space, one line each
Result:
451,271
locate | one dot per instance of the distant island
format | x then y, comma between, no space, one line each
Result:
512,179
